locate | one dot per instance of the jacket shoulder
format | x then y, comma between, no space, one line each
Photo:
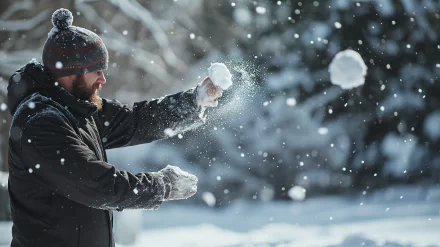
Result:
36,107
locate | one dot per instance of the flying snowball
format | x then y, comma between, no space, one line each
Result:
348,69
220,75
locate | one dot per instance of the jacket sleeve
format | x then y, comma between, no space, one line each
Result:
120,125
57,157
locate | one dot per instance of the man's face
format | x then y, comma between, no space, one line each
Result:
86,86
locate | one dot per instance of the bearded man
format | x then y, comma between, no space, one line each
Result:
62,189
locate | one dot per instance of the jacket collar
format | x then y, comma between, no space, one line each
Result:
33,78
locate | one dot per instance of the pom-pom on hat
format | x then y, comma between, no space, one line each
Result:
71,50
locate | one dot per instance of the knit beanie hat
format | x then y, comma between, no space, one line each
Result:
71,50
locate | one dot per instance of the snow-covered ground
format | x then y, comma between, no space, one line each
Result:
395,217
400,216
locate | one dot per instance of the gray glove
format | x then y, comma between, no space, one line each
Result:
178,184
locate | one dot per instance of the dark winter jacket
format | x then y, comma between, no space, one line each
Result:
61,187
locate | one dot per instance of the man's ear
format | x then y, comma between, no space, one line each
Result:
66,82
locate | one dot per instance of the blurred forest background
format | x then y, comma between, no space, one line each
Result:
283,125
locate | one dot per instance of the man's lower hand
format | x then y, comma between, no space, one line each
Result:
179,184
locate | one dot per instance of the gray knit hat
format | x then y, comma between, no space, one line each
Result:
71,50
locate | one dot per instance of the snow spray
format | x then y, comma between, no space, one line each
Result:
240,81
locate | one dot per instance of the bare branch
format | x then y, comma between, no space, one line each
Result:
136,11
24,25
17,6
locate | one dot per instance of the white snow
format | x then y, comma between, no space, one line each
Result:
3,107
291,101
297,193
59,65
209,198
319,222
220,75
260,10
182,182
348,69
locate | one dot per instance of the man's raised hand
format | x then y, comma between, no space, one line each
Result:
208,93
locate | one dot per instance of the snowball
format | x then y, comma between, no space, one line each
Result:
297,193
348,69
220,75
209,198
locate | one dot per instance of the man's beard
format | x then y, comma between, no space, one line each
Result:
80,90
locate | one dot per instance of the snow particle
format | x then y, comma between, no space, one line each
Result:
233,4
338,25
125,32
249,36
305,177
3,107
192,36
382,108
388,66
291,101
393,22
30,170
135,190
226,191
169,132
106,123
242,154
209,199
330,111
278,3
62,161
104,139
296,36
59,65
330,218
56,83
375,174
323,131
219,178
260,10
31,105
37,166
180,136
408,46
316,3
16,77
437,65
29,141
266,103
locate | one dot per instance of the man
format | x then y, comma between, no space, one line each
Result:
61,187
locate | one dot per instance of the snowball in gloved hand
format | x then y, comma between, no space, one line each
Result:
220,75
208,93
182,184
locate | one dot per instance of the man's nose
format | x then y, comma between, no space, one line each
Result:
101,77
